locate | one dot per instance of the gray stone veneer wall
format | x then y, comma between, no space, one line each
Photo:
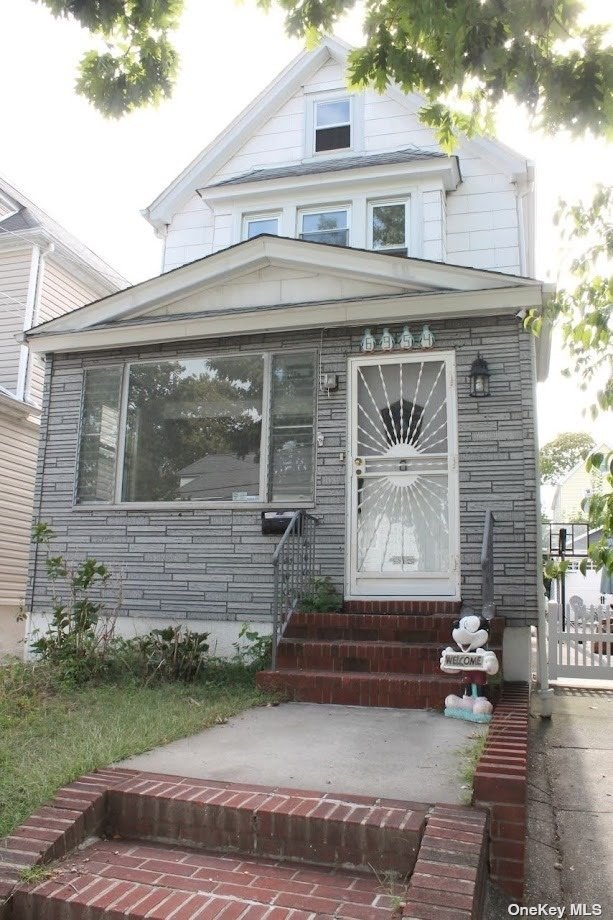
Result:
215,564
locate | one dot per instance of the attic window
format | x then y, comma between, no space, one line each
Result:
332,125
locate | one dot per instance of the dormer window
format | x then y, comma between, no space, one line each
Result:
256,224
389,223
332,125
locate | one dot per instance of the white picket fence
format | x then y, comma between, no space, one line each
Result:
582,645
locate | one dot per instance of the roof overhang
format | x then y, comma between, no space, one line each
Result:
443,170
420,289
17,409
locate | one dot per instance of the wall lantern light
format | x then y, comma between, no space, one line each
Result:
479,377
387,340
367,342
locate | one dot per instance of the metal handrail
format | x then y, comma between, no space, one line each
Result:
293,564
488,607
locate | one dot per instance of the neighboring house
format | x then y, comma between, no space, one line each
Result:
571,492
235,383
44,273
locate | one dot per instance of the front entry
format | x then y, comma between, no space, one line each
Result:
403,520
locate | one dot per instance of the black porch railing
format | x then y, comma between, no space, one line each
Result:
488,607
293,564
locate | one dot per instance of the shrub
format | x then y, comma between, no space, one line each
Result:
167,654
253,650
321,598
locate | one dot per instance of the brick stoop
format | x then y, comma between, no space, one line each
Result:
187,849
374,653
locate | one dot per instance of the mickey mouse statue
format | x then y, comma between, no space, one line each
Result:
475,663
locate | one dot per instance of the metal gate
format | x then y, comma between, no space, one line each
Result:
580,642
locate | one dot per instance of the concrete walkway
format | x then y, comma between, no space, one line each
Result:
412,755
570,816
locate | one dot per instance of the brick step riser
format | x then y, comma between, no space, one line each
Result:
363,658
342,690
416,607
295,838
378,628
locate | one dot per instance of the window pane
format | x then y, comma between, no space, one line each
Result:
194,429
332,113
262,225
291,426
99,432
332,138
388,226
328,227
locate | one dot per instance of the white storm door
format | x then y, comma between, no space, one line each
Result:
403,522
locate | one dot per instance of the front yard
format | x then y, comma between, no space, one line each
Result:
50,735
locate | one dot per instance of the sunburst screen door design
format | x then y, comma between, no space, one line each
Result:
403,479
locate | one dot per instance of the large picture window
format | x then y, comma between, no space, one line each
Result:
216,429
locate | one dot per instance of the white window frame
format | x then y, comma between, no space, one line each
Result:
260,215
341,124
382,202
265,444
355,122
325,209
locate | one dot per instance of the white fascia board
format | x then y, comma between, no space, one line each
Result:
262,251
161,211
18,408
445,171
243,321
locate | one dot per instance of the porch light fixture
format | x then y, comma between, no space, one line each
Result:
367,342
405,339
387,340
479,377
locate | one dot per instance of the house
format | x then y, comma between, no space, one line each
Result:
570,493
44,273
330,279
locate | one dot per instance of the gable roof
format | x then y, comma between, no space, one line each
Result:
202,169
29,218
327,286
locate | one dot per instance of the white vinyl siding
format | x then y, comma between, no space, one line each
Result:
17,465
14,277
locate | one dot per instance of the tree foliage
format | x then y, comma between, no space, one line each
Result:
563,453
466,56
584,312
137,65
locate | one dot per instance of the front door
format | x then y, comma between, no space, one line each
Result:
403,524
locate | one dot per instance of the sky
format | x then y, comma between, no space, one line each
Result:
94,176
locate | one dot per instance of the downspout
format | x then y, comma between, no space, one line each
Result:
545,693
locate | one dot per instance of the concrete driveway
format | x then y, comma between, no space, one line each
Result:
412,755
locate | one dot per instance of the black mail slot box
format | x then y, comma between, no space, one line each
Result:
275,522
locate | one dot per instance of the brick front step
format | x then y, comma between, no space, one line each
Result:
399,691
261,853
348,656
131,880
393,605
378,627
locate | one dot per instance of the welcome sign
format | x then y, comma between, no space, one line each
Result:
463,661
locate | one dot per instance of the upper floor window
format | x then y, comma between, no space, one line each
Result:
332,125
254,225
390,227
325,226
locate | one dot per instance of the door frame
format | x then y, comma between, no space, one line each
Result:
412,357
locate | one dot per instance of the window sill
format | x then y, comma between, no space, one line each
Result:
193,506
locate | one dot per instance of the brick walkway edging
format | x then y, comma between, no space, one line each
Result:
501,786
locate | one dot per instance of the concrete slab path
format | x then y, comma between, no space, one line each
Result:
413,755
570,815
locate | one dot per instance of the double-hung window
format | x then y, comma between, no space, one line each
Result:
236,428
332,125
325,226
389,225
256,224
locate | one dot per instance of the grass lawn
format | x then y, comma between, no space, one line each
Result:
49,736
